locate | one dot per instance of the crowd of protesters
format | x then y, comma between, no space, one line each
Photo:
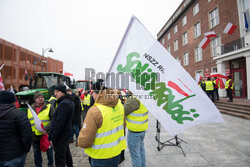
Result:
101,133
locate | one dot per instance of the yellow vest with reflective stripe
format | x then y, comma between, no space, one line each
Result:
137,121
43,116
110,139
86,100
209,85
227,84
52,98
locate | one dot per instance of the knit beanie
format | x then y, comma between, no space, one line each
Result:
37,94
61,88
7,97
97,86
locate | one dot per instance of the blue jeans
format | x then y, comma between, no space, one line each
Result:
136,148
75,130
17,162
111,162
38,155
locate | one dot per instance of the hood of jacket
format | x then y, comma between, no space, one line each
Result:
67,96
108,97
5,108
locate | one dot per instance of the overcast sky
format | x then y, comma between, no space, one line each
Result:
82,33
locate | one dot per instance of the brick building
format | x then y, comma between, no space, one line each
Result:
226,54
18,60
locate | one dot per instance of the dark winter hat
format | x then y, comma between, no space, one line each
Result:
7,97
97,86
37,94
61,88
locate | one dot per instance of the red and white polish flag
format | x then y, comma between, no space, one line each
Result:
210,34
203,44
229,29
1,79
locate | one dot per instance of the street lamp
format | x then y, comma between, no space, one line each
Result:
43,52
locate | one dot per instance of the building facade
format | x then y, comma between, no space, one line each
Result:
226,54
20,64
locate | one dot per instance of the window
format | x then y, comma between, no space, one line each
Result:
175,29
195,9
214,70
246,15
169,36
184,38
198,54
214,18
163,41
216,46
199,72
178,60
209,1
185,59
197,30
184,20
176,45
169,49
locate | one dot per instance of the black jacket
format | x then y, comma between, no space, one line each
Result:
15,132
77,110
61,124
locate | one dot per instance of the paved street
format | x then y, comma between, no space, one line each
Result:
219,145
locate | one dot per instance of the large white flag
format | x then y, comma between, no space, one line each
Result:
38,122
160,82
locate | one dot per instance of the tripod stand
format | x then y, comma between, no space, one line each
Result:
177,141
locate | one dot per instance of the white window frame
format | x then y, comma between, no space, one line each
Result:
214,18
197,29
169,49
212,69
209,1
178,60
175,29
169,36
215,45
199,72
198,54
184,20
163,41
196,9
176,45
185,38
185,59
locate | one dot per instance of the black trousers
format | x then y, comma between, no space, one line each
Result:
230,94
62,154
216,93
210,93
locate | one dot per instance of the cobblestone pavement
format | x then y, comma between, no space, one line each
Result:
208,145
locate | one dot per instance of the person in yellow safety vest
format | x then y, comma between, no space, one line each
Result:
202,84
137,124
216,82
209,85
53,100
102,134
45,112
229,88
86,103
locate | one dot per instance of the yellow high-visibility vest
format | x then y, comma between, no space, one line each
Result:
209,85
110,139
86,100
53,98
137,121
43,116
227,84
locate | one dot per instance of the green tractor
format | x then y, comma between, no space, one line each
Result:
43,82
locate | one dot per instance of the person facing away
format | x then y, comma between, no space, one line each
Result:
45,112
102,134
209,85
61,127
216,82
15,132
229,88
137,124
76,121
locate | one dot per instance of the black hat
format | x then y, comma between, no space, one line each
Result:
37,94
97,86
7,97
61,88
